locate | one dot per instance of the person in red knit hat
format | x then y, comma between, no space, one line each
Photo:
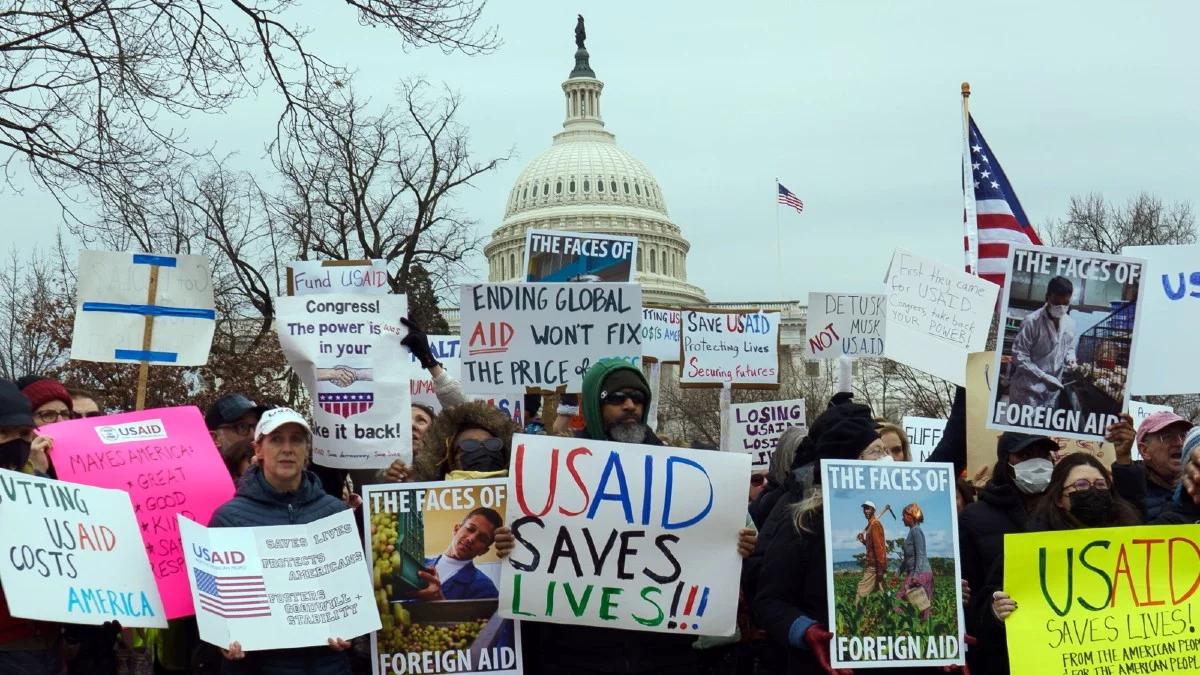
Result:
51,403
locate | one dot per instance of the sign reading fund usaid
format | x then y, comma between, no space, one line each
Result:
624,536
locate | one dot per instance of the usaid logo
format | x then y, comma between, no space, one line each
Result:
145,430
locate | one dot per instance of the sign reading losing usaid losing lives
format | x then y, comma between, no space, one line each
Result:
165,459
936,315
739,348
1112,600
279,586
842,323
661,524
558,256
545,336
660,334
73,554
346,349
755,428
1069,320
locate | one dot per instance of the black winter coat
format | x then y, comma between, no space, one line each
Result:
982,526
257,503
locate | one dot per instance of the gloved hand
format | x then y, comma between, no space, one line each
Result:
418,343
817,637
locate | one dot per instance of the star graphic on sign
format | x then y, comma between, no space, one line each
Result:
995,185
129,483
149,548
137,507
145,526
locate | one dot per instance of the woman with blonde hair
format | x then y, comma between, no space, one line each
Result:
895,440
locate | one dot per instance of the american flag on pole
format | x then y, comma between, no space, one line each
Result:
1000,220
346,405
789,198
242,597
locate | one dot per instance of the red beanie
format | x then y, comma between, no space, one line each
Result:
41,392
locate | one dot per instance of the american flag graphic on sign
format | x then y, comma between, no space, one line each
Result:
241,597
346,405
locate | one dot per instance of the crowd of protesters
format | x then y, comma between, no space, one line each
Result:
784,625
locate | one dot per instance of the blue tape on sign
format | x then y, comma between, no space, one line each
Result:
151,310
140,355
160,260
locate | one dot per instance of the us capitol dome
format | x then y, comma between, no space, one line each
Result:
585,183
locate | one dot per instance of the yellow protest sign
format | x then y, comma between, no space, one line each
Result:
1104,601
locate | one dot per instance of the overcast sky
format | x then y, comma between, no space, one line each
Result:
853,105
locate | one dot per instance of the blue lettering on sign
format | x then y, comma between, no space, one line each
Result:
108,602
1193,280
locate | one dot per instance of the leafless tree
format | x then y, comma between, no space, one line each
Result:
1092,224
32,297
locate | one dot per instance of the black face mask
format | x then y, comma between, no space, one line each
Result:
1091,507
481,456
14,454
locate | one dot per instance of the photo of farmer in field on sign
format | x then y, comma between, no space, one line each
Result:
876,562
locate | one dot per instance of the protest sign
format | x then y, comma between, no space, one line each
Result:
557,256
117,293
346,349
73,555
445,349
1064,376
755,428
165,459
841,323
419,530
279,586
891,536
661,525
1105,601
1169,308
923,435
736,348
660,334
545,336
320,277
1139,411
936,315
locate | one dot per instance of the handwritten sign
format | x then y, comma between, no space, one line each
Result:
445,348
741,348
448,526
841,323
558,256
545,336
923,435
1170,307
346,349
279,586
112,301
656,517
1069,331
755,428
660,334
320,277
1106,601
73,554
893,581
936,315
165,459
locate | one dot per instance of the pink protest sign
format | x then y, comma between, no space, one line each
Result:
165,459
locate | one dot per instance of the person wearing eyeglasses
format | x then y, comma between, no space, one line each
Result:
1149,483
472,440
1080,495
232,418
51,403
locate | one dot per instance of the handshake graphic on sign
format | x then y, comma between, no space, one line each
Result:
344,376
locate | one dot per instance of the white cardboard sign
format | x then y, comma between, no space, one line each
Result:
923,435
739,348
660,334
936,315
321,277
111,306
844,323
74,554
755,428
1170,308
280,586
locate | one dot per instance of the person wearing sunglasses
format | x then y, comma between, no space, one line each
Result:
472,440
1149,483
232,418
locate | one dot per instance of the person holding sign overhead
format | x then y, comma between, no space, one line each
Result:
1043,349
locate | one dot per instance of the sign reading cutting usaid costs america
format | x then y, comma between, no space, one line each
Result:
320,277
661,524
347,351
755,428
936,315
1069,330
165,460
113,301
739,348
279,586
545,336
557,256
1170,308
660,334
841,323
1094,602
891,533
419,530
73,554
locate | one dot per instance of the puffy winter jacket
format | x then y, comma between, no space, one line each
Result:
257,503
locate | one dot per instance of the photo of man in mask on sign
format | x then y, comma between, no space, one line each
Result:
1044,349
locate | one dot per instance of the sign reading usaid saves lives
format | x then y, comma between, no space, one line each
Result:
165,459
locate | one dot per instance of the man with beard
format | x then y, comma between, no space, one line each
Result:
615,402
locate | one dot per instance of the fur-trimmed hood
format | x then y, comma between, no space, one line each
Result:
431,461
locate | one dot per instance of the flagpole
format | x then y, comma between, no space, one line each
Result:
970,228
778,243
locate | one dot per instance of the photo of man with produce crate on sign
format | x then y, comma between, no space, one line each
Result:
436,577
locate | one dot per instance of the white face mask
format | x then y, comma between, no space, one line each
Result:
1033,475
1058,311
887,457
